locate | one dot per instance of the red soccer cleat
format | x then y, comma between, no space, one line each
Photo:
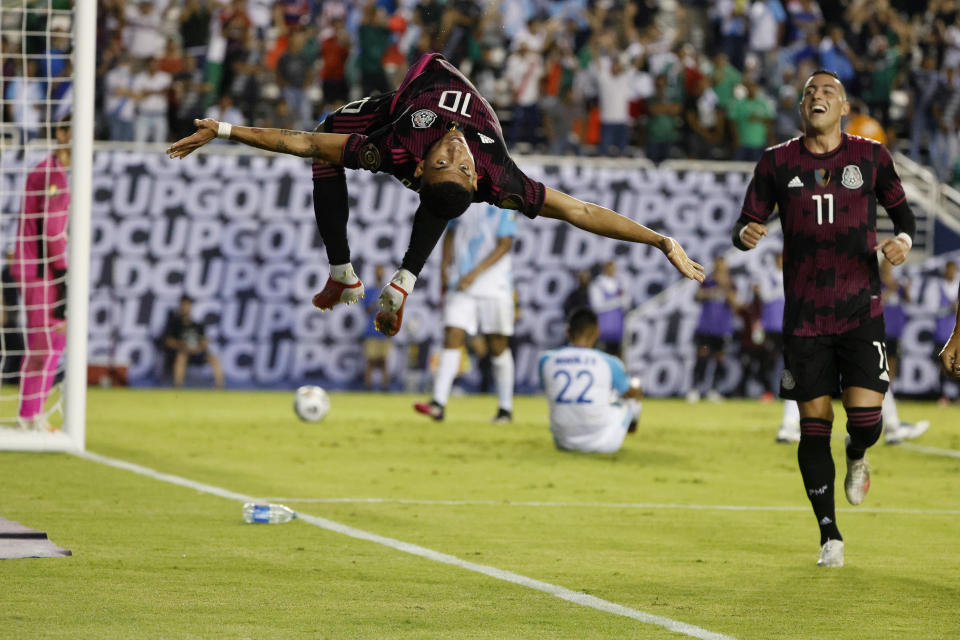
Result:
335,292
431,409
390,317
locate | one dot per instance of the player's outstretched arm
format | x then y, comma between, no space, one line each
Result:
504,245
604,222
324,146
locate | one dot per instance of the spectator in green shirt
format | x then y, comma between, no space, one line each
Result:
725,78
374,38
752,117
884,67
663,129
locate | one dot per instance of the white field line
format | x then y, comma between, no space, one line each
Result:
934,451
562,593
603,505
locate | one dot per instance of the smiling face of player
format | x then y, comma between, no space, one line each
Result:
823,104
449,160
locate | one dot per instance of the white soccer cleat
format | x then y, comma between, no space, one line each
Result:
891,434
831,554
857,482
909,431
693,396
714,396
789,432
38,424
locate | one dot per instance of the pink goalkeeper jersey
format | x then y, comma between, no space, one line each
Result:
42,230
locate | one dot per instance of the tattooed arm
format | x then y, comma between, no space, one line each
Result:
323,146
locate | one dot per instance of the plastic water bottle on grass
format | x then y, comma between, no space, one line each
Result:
254,513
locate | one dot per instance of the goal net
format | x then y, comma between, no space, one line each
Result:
45,160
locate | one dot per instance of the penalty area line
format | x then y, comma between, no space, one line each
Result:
568,595
607,505
934,451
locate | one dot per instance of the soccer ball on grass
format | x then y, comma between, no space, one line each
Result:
311,403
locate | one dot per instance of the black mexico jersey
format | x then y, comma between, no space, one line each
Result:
432,96
828,209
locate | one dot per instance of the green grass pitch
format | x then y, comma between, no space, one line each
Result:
155,560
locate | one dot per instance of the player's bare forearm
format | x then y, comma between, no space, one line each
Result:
602,221
306,144
503,248
599,220
446,257
324,146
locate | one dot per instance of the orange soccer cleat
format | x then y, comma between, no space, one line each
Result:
390,316
335,292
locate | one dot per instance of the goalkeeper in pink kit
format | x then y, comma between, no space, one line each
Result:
39,267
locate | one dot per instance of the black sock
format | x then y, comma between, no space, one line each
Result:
864,425
331,209
426,232
700,371
818,472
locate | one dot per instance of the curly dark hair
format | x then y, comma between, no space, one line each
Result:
447,200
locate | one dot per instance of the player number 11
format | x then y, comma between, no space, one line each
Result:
828,197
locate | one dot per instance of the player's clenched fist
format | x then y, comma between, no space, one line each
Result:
751,234
950,356
894,250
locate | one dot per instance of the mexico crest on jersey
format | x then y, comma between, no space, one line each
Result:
852,178
423,118
369,157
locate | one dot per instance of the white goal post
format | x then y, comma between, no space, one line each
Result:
78,24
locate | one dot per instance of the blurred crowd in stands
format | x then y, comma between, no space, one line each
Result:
709,79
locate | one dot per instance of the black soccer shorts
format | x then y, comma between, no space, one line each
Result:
713,344
825,365
893,348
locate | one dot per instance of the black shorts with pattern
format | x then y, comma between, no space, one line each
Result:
825,365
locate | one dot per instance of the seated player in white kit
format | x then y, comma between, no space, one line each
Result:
592,402
477,280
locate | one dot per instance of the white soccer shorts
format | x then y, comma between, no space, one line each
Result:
605,439
475,314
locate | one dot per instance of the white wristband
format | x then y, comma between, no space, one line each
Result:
223,131
740,235
906,238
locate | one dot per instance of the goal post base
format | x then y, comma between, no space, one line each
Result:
20,440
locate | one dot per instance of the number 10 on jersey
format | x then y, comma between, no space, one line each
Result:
827,199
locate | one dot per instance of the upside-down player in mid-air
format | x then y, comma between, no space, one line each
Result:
827,185
438,136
